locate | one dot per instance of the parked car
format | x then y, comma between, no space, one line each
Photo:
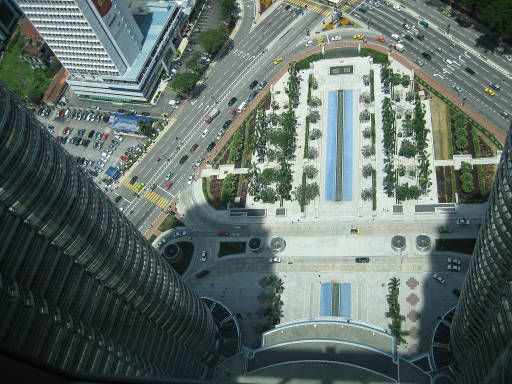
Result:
226,124
210,146
183,159
274,260
118,199
193,148
232,101
438,278
134,179
253,84
169,176
190,179
362,259
169,184
263,84
203,256
463,221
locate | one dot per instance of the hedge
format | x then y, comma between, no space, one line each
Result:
305,63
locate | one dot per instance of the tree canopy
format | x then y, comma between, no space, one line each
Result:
212,40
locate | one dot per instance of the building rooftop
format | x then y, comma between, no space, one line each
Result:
57,87
28,30
152,26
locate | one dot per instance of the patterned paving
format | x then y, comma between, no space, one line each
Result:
150,196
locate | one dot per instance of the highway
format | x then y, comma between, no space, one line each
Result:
282,33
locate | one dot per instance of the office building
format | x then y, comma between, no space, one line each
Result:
81,290
9,16
481,331
111,51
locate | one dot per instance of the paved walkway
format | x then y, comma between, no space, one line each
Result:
457,161
222,171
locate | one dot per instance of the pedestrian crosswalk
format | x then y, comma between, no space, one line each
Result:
318,7
313,6
150,196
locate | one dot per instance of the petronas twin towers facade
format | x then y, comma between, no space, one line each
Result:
80,288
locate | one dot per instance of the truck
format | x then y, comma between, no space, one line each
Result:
399,47
211,115
242,107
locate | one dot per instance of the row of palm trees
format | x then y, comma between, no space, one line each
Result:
274,310
395,326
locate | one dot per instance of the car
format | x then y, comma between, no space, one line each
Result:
495,86
426,55
169,176
362,260
252,95
397,7
274,260
438,278
190,179
320,40
456,292
109,151
105,137
234,112
232,101
336,38
380,39
115,142
202,274
362,10
140,186
445,229
358,37
507,57
183,159
253,84
134,179
203,256
469,70
118,138
457,88
263,84
278,60
223,233
205,132
309,43
396,36
408,37
452,260
463,221
504,114
287,7
406,26
452,267
354,231
489,91
91,134
210,146
160,243
169,184
423,23
226,124
118,199
448,61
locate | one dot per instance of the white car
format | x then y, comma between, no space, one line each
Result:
203,256
219,136
103,160
452,260
438,278
205,132
109,151
448,61
274,260
396,37
397,7
309,43
336,38
190,179
105,155
463,221
407,26
452,267
118,138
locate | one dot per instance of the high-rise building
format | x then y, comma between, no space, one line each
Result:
481,332
80,289
111,52
9,16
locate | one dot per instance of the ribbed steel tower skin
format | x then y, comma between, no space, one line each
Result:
80,288
481,335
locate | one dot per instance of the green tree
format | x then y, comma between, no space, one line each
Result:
229,187
367,133
367,170
310,171
312,153
367,194
368,151
268,195
268,175
315,134
185,82
212,40
306,193
193,62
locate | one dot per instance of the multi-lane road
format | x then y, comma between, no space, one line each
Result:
283,34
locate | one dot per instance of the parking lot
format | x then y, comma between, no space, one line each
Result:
90,139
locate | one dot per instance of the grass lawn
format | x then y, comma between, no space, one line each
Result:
231,248
440,115
26,82
152,238
169,223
